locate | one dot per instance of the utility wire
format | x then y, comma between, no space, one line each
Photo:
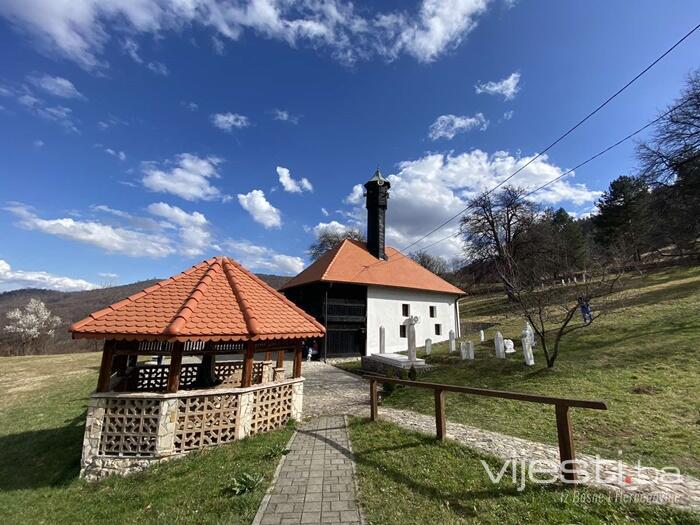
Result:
561,137
580,165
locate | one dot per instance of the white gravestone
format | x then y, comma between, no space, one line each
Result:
382,340
482,337
470,350
452,341
411,322
528,358
498,343
509,346
463,350
530,333
428,346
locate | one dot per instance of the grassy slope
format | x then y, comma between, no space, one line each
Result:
409,478
42,416
650,339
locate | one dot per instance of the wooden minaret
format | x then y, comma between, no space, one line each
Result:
377,194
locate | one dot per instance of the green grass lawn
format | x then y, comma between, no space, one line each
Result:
409,478
42,417
643,359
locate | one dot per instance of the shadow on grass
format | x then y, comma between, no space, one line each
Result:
460,501
42,458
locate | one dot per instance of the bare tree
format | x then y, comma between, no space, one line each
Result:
32,322
328,238
434,263
676,139
495,230
551,308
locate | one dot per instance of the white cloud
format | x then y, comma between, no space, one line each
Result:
113,239
356,196
333,226
284,116
81,29
508,87
325,212
158,68
228,121
56,86
218,45
38,143
260,209
447,126
59,114
14,279
439,27
427,191
508,115
195,235
188,177
113,152
191,106
291,185
263,259
108,275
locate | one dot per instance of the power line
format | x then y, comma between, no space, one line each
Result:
561,137
603,152
580,165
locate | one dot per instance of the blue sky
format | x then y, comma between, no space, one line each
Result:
140,137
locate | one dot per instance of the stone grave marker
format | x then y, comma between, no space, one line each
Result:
498,343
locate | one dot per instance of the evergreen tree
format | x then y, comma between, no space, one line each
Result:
623,220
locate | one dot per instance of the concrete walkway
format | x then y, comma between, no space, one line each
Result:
315,481
329,390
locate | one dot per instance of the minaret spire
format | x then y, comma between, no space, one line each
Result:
377,194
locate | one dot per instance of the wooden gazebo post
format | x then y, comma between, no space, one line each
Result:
247,376
297,359
175,367
103,382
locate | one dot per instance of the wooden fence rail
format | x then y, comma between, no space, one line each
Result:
561,405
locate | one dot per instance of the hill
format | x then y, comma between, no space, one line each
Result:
72,306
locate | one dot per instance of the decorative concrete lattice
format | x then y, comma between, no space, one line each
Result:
231,373
130,427
206,420
272,408
154,378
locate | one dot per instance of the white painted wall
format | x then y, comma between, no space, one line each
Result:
384,309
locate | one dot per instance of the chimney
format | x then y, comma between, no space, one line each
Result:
377,194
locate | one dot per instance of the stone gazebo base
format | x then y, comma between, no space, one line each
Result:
127,432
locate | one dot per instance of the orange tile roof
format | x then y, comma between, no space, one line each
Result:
350,262
216,300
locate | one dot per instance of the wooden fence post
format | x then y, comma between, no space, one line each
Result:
440,423
566,441
373,399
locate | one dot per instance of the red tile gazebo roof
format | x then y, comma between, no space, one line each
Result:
216,300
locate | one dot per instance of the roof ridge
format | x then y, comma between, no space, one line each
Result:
277,294
251,320
135,296
337,251
187,308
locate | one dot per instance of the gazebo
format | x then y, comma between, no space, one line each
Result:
169,378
